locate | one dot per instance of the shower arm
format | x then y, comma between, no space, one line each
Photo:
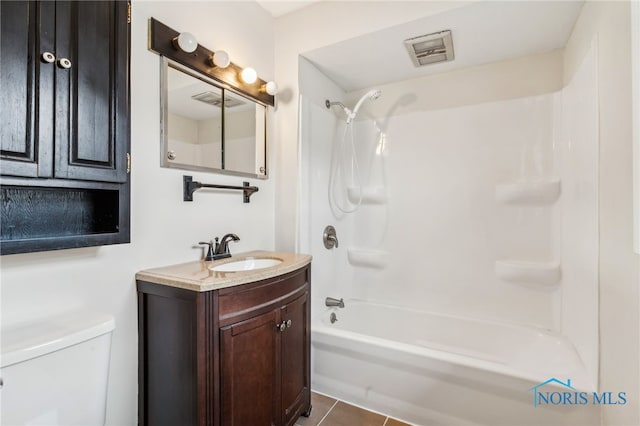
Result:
370,95
329,104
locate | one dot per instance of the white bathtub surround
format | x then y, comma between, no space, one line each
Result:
616,267
578,158
434,369
439,234
480,226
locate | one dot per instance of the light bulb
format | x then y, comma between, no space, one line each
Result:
186,42
270,88
249,75
220,59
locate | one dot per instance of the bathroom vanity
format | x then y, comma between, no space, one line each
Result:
225,342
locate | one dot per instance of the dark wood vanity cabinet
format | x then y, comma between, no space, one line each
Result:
235,356
64,134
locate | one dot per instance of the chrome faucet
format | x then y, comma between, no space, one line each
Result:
222,248
331,302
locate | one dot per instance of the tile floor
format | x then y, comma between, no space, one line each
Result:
328,411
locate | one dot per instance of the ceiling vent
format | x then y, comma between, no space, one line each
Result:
215,99
431,48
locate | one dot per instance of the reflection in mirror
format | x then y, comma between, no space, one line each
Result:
203,132
194,118
243,123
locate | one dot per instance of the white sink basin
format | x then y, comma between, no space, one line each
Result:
249,264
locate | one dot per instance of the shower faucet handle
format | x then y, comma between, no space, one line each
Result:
329,237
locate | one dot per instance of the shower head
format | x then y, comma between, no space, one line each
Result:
372,95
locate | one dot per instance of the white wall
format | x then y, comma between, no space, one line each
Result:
619,267
164,228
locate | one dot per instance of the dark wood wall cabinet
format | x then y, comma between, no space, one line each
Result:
235,356
64,133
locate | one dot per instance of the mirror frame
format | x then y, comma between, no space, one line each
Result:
165,63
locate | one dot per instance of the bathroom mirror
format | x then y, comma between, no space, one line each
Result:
208,127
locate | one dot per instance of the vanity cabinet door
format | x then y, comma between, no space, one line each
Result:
294,359
249,371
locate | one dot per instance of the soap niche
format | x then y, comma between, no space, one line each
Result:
376,259
541,192
367,195
540,274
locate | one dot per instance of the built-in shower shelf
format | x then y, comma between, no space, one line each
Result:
377,259
545,274
533,192
370,195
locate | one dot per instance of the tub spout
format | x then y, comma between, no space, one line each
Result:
330,301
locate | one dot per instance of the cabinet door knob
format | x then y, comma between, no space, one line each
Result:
282,326
48,57
288,323
64,63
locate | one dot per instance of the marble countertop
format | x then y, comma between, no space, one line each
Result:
197,276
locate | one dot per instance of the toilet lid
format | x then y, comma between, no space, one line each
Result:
27,340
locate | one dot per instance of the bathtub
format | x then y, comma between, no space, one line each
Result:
430,369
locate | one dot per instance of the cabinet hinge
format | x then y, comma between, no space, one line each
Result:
128,163
128,12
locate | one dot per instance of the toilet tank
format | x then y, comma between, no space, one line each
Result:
55,370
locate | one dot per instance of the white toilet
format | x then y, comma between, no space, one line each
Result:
55,371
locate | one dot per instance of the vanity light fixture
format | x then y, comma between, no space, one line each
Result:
220,59
186,42
270,88
249,75
183,48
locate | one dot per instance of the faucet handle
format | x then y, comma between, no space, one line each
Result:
330,238
209,256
